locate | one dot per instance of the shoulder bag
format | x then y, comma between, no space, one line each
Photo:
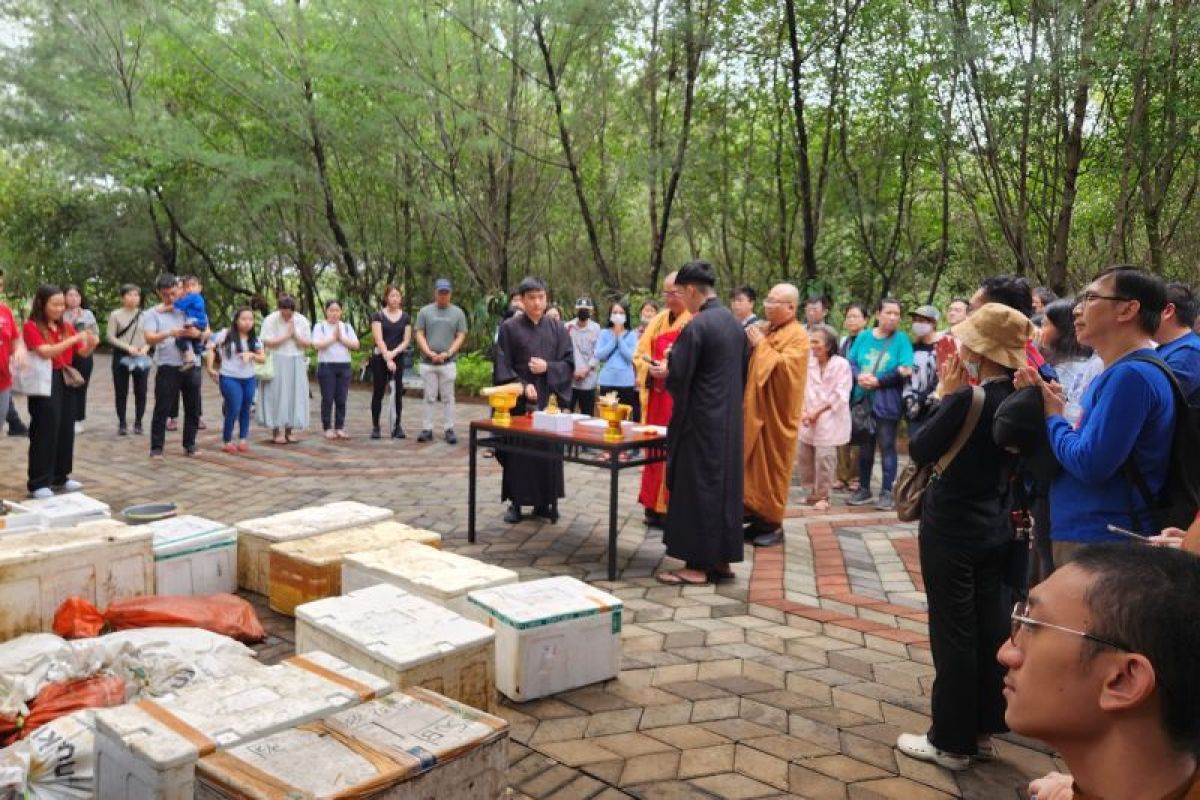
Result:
910,486
862,421
34,378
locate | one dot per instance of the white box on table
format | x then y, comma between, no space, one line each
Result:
405,639
439,576
555,423
255,536
67,509
552,635
194,555
100,561
148,750
411,745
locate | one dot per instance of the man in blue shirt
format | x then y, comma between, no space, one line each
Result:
1178,344
1128,415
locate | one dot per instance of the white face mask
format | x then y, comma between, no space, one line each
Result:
920,329
617,319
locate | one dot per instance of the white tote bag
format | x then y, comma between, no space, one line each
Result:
34,379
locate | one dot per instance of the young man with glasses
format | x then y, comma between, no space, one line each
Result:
1101,664
1128,420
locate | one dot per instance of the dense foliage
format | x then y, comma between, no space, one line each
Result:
859,148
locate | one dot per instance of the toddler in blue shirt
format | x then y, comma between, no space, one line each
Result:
191,305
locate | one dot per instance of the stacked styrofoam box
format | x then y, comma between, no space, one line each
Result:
18,518
65,510
552,635
404,639
442,577
148,750
309,569
99,561
412,745
194,555
255,536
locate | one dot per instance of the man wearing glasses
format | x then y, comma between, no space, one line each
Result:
1125,433
1101,667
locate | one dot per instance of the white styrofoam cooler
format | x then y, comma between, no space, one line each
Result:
99,561
65,510
405,639
194,555
255,536
552,635
148,750
437,575
411,745
18,518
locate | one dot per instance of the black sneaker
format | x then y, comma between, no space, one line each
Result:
548,513
513,515
137,429
376,433
18,430
122,430
398,432
425,436
862,497
156,454
451,438
190,451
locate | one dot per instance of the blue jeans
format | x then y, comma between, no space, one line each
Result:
239,396
885,437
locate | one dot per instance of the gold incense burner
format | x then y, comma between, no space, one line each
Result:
614,414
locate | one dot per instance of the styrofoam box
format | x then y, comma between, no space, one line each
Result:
18,518
194,555
255,536
552,635
309,569
65,510
148,750
404,639
445,578
412,745
99,561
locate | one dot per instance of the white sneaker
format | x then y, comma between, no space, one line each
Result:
42,493
918,747
71,485
78,428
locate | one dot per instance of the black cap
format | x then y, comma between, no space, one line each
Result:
696,272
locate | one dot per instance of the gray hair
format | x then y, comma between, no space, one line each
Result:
829,335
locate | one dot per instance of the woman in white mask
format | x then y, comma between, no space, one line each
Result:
615,350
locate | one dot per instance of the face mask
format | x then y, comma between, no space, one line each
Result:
618,319
972,368
583,314
922,328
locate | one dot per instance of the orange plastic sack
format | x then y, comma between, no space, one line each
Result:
226,614
59,699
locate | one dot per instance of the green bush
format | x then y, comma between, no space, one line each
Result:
474,373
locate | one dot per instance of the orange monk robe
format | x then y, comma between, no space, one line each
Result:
773,402
659,335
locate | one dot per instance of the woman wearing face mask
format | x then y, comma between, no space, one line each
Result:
585,334
854,320
964,539
616,350
919,396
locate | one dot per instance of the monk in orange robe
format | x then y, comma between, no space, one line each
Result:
650,361
773,402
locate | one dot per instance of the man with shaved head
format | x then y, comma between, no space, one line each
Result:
773,402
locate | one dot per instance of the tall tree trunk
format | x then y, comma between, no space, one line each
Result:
803,169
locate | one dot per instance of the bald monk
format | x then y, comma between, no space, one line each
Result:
650,361
773,402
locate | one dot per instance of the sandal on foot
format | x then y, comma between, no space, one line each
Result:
675,579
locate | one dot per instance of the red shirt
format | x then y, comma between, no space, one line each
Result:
34,339
8,334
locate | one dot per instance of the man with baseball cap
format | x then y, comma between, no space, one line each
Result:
919,395
585,335
440,331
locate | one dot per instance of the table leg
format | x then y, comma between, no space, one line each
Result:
614,467
471,486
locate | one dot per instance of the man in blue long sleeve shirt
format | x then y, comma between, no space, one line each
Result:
1178,344
1128,414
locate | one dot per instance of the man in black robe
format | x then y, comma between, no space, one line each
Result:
706,377
534,350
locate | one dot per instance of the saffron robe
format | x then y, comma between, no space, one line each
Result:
660,335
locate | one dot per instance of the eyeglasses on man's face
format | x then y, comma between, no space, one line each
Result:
1088,297
1021,619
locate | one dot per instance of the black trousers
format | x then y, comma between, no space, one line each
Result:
52,435
584,401
84,364
171,384
380,376
12,416
967,624
627,395
334,380
121,380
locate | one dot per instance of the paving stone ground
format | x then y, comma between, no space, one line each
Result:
793,681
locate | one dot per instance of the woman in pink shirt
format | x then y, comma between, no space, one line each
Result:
825,423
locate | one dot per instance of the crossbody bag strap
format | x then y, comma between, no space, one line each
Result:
969,425
121,333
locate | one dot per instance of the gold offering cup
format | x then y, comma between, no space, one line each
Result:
502,404
614,415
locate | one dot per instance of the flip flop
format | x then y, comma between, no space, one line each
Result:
675,579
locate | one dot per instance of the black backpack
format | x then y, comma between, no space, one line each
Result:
1179,501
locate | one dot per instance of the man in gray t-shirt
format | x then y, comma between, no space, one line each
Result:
171,382
440,331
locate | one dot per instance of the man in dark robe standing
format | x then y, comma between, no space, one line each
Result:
706,377
534,350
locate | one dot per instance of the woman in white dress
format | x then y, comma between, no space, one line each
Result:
284,405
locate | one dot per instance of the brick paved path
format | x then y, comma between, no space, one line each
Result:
793,681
